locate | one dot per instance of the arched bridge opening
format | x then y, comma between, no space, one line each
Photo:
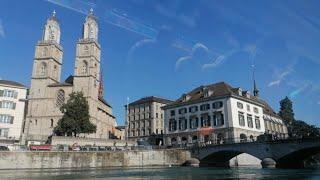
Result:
221,158
298,158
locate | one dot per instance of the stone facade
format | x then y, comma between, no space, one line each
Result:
47,93
12,110
145,118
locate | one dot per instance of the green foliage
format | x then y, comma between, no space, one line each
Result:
302,129
286,111
75,119
296,128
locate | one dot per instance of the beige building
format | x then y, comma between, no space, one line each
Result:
145,118
48,93
12,110
216,113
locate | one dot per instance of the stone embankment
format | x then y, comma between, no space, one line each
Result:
54,159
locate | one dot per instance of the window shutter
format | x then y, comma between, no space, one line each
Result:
11,121
1,93
14,106
0,104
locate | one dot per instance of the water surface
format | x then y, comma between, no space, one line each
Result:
184,173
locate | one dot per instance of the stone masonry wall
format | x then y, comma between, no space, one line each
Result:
36,160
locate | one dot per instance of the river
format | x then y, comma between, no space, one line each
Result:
184,173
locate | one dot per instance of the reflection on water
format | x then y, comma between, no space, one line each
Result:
162,173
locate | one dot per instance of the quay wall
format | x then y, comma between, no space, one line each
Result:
55,159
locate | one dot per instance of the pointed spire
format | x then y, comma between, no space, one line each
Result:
255,89
91,11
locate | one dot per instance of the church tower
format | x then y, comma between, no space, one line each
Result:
87,63
47,59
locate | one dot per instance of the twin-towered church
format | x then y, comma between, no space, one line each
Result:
48,93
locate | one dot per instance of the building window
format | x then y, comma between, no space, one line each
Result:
4,132
257,121
194,122
60,98
182,110
204,107
51,123
240,105
249,121
8,93
7,105
43,69
218,119
6,118
161,116
248,107
193,109
255,110
172,125
241,119
205,121
36,121
182,123
172,112
217,105
84,68
157,115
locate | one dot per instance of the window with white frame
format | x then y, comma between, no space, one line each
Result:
257,122
8,93
249,121
6,118
4,132
241,119
7,105
239,105
194,122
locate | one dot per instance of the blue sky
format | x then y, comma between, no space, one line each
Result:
168,47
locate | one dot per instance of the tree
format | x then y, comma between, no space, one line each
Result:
286,111
75,119
302,129
296,128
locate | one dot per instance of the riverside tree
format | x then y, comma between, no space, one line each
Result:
75,119
296,128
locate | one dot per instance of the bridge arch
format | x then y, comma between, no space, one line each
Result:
296,159
222,158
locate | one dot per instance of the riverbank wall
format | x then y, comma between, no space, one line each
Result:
139,158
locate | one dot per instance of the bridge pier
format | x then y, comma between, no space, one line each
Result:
268,163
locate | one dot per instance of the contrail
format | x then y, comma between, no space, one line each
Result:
110,16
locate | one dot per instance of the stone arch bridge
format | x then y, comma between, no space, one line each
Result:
289,153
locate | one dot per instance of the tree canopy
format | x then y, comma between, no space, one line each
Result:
75,119
296,128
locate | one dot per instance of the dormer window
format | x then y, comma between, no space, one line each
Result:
186,98
207,93
240,91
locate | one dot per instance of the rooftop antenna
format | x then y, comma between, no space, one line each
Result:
127,120
255,89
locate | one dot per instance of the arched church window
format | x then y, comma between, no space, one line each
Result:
60,98
43,68
84,68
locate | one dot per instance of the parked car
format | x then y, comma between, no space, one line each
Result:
4,148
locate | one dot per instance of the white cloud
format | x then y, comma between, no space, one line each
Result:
137,45
281,76
219,60
195,47
2,34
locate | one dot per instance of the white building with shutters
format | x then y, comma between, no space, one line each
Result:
12,110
